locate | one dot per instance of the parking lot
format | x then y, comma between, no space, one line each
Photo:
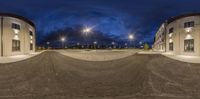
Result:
52,75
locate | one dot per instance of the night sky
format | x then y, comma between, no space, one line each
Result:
114,19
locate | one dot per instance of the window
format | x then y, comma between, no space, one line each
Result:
189,24
15,45
30,33
15,26
189,45
31,46
171,30
171,46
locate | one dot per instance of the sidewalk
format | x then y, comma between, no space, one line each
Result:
149,52
17,58
97,55
183,58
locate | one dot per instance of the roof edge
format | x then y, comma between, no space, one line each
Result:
18,17
172,19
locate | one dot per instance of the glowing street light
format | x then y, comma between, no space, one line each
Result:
86,31
63,41
131,37
113,43
48,45
95,42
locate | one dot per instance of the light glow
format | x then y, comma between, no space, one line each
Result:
16,31
31,37
62,39
131,37
95,42
170,40
188,36
16,37
170,35
188,29
87,30
113,43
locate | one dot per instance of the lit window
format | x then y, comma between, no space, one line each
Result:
189,24
15,26
171,46
15,45
189,45
171,30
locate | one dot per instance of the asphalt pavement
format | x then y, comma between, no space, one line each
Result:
51,75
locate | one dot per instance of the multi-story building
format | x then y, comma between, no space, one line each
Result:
159,44
183,35
17,35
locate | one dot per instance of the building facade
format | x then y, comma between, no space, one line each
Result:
182,35
159,44
17,35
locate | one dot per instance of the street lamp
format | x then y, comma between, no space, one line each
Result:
86,31
63,41
95,43
131,37
48,45
113,44
78,45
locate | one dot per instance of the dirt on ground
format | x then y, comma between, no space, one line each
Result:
51,75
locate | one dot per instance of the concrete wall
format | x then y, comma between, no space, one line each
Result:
180,33
24,37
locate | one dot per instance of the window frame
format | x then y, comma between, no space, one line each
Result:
16,45
171,30
30,33
189,24
171,46
15,26
189,45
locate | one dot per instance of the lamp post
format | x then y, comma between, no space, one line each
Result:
48,45
78,45
131,38
63,42
86,31
95,44
113,44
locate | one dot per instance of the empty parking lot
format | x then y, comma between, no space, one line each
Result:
51,75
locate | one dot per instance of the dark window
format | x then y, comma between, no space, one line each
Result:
30,33
15,45
189,24
171,30
31,46
171,46
15,26
189,45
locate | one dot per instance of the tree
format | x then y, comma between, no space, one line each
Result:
146,46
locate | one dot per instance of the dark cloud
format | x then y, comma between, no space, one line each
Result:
111,17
